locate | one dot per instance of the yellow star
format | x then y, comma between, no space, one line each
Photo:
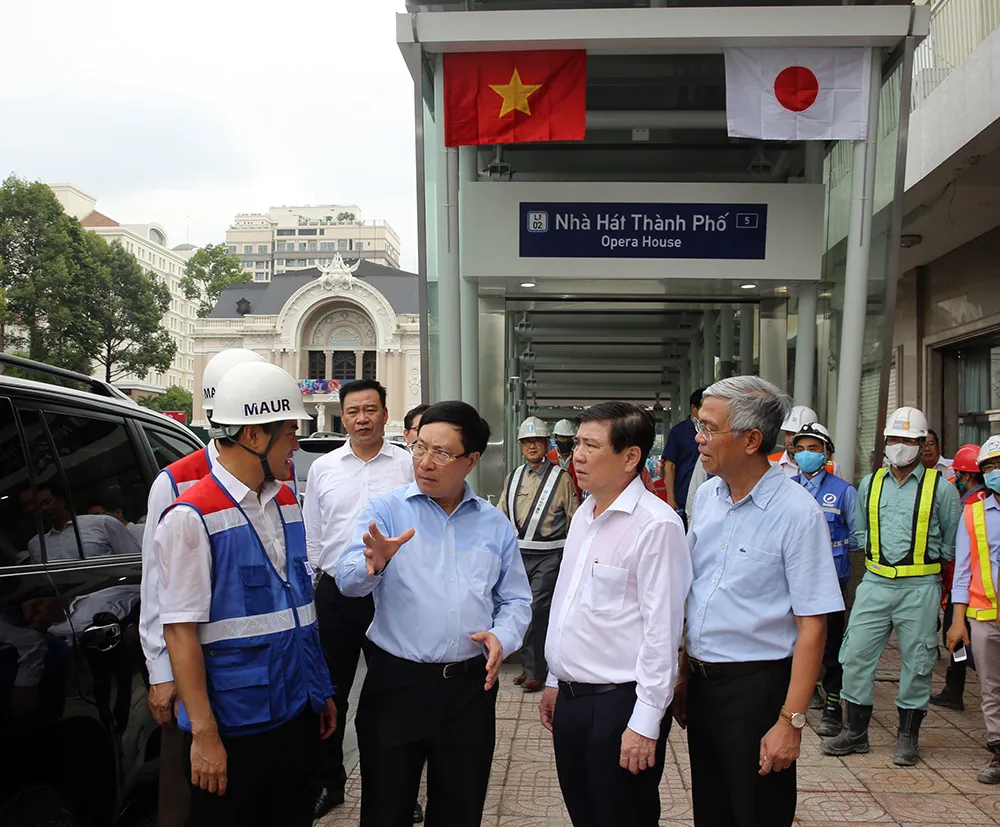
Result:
515,94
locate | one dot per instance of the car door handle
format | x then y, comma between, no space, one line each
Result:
102,638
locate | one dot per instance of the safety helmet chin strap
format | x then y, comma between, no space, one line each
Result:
262,456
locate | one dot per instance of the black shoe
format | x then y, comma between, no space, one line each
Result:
418,814
818,700
907,737
853,738
831,723
949,699
327,799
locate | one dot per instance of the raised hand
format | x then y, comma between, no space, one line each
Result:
379,549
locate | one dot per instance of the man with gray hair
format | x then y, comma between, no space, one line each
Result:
764,581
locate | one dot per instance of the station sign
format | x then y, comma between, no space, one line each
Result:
643,230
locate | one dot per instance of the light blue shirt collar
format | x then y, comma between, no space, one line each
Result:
413,490
761,494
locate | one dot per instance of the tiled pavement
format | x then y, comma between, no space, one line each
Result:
859,789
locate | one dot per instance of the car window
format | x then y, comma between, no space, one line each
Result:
89,490
167,447
18,519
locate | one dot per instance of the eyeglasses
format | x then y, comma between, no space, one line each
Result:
437,457
706,433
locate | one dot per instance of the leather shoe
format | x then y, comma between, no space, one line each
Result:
533,685
418,814
327,799
520,679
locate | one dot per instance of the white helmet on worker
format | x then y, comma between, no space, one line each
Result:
907,423
255,393
990,449
797,417
533,428
564,428
814,429
216,368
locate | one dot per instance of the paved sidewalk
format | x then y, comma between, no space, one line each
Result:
859,789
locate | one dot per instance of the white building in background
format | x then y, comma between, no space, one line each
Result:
295,238
148,243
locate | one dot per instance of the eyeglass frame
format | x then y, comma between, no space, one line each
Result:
706,433
415,446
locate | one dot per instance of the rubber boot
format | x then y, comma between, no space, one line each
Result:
907,737
990,774
853,738
832,721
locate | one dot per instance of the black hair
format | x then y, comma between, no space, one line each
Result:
937,439
473,429
631,425
696,397
362,385
412,414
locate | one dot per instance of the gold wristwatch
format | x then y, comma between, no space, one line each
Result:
796,719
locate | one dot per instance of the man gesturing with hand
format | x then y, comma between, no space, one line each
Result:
451,597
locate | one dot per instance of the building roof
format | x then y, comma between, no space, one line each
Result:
96,219
268,298
180,248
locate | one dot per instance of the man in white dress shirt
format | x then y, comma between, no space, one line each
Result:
339,486
615,627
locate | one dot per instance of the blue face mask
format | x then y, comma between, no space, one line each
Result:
993,481
810,461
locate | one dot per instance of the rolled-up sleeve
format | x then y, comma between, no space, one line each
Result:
351,572
664,576
810,570
511,597
963,565
949,509
182,550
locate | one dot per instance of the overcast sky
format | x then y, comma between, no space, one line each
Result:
187,113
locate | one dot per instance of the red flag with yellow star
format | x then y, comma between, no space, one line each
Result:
515,97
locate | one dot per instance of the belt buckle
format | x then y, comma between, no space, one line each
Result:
447,666
697,667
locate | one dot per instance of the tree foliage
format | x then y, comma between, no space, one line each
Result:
208,272
174,398
132,341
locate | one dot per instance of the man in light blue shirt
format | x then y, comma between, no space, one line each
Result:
448,583
764,581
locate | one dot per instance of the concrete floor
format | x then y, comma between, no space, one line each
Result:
858,789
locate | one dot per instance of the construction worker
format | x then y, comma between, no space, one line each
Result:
539,499
562,454
974,595
238,616
906,520
813,450
971,488
798,416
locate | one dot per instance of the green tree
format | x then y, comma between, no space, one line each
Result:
132,340
208,272
51,279
346,216
174,398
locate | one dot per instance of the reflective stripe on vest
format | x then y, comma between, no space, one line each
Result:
528,538
982,592
266,624
914,563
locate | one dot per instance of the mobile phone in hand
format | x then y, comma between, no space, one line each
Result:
959,654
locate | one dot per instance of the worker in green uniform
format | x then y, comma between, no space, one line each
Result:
906,520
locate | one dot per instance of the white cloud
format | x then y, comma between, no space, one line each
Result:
188,112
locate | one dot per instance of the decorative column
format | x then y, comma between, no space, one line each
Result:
359,364
328,369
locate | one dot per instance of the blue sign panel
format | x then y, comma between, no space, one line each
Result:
693,231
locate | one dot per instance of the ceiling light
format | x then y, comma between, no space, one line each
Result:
527,284
747,286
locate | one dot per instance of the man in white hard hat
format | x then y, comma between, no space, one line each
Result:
173,480
974,594
906,521
562,454
799,415
813,450
238,617
539,499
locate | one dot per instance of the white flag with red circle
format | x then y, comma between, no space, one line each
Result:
798,94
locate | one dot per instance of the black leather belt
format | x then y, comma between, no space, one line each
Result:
733,670
580,690
430,671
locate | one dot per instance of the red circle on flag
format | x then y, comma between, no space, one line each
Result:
796,88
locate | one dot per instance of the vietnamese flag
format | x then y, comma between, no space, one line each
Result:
514,97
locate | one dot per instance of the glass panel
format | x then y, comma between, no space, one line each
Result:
167,447
344,365
19,519
369,365
317,364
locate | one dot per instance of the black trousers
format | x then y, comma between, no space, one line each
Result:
587,736
270,778
955,676
410,713
727,718
833,670
343,622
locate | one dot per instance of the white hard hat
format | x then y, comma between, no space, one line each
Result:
906,422
797,417
990,449
564,428
814,429
216,368
254,393
533,428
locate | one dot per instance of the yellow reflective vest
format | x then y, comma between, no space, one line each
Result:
914,564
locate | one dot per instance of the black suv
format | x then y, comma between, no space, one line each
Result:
78,745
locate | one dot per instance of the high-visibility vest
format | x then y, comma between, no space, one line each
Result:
914,564
982,591
529,534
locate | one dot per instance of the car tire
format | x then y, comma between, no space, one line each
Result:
38,806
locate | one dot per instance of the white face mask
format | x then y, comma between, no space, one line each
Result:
901,455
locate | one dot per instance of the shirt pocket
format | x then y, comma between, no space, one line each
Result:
604,592
480,570
753,571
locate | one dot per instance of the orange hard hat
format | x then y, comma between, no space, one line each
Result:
965,459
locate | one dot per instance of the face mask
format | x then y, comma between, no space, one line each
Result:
901,455
810,461
993,481
564,445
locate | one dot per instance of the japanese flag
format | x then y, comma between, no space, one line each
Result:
798,94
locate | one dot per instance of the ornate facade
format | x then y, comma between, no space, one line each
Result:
326,327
